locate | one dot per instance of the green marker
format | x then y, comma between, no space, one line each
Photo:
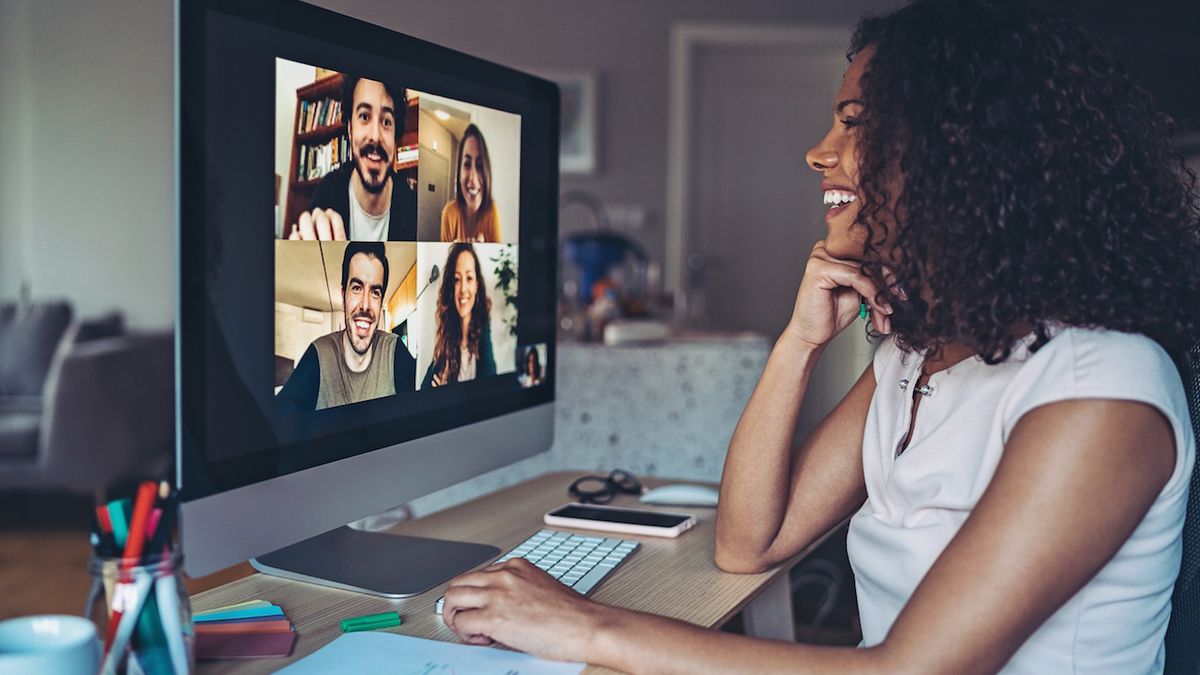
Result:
119,512
371,622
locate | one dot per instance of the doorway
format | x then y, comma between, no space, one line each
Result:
743,209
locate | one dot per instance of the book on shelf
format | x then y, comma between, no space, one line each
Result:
317,114
406,154
317,159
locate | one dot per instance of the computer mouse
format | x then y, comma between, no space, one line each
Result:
681,494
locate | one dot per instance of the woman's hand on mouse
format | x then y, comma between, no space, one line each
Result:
829,297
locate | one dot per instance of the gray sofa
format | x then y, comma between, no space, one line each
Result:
83,404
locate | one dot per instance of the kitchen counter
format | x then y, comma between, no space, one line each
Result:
665,409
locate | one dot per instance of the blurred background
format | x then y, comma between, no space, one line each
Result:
686,212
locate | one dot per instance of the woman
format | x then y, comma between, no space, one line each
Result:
1016,460
463,347
531,368
472,215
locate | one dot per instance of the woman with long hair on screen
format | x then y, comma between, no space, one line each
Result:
1015,463
463,347
472,215
531,368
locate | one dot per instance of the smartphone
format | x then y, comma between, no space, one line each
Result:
617,519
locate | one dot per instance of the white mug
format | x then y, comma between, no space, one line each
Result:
49,643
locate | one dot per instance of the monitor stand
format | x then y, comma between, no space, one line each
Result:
390,565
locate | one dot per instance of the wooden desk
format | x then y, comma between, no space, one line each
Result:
671,577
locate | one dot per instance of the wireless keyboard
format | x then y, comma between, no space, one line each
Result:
577,560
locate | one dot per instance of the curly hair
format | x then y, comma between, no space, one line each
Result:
1039,185
447,351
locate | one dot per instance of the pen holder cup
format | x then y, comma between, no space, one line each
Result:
146,625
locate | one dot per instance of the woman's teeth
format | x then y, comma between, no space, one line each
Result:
836,198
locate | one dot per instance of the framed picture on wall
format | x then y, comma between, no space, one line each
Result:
580,135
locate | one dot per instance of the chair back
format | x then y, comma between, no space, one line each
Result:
1183,633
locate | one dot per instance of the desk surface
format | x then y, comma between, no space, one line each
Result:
670,577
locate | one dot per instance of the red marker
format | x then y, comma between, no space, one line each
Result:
102,518
133,549
137,525
113,622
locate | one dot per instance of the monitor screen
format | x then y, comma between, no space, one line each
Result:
367,241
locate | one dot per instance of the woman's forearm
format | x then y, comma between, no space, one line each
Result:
757,477
634,642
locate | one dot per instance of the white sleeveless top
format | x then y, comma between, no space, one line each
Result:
916,502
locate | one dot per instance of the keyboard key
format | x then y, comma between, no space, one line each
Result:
589,580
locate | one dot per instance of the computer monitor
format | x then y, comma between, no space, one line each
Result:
321,380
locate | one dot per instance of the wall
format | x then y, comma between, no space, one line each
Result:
86,121
295,331
87,193
16,242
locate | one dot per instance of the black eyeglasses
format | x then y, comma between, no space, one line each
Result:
601,489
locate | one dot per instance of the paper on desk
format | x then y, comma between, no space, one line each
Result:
406,655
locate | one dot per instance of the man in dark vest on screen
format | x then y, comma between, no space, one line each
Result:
361,361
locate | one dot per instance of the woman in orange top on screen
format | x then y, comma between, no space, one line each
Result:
472,215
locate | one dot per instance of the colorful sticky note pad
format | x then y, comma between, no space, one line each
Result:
247,613
239,605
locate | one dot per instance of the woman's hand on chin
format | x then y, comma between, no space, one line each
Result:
518,605
828,299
